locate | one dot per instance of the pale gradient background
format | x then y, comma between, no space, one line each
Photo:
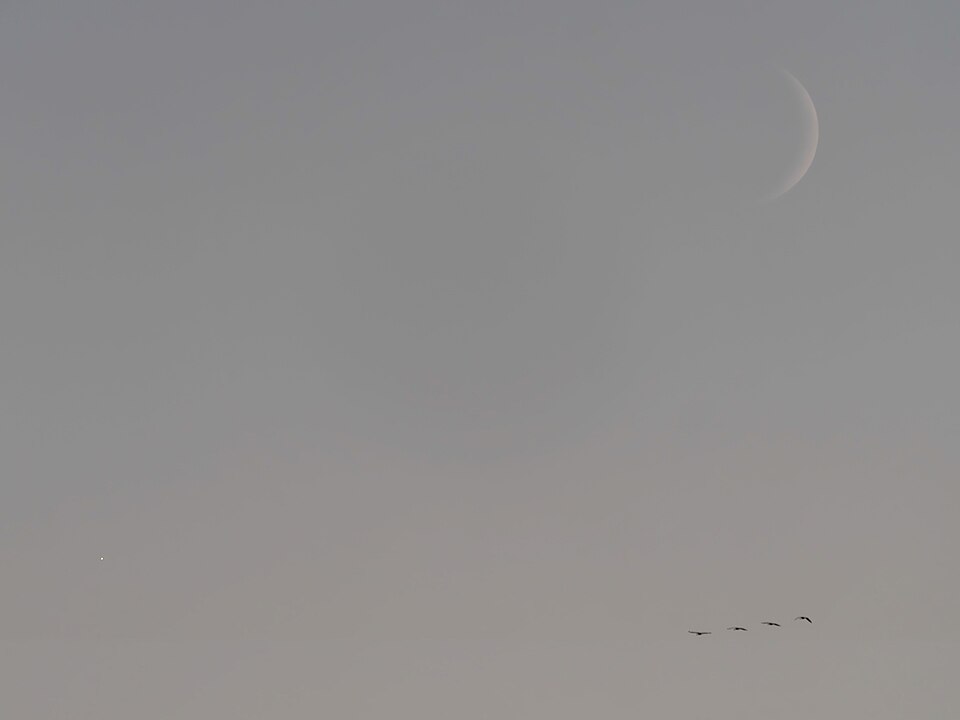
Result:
436,359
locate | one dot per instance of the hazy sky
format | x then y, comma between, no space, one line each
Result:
425,359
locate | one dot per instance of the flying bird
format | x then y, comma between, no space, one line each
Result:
737,627
771,623
699,632
804,617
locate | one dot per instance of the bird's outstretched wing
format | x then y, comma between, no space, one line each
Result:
804,617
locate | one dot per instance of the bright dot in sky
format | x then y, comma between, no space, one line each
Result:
101,559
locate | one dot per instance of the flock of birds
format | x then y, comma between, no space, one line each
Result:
743,629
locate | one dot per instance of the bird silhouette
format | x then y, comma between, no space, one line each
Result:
804,617
699,632
737,627
770,623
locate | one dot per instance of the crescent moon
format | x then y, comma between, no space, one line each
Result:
811,138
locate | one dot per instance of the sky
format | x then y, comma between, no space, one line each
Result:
430,359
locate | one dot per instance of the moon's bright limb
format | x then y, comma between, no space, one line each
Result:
811,137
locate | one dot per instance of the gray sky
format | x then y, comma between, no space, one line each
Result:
431,359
